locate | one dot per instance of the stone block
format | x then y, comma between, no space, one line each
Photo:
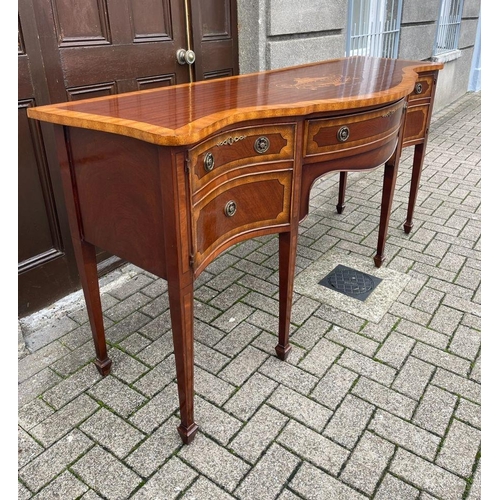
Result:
405,434
215,462
112,432
54,460
367,367
288,375
335,384
367,462
428,476
460,447
300,408
293,52
259,432
269,475
295,16
153,452
420,12
203,488
471,8
416,42
349,421
311,482
385,398
392,487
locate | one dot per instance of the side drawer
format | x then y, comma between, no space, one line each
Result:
349,134
423,87
240,207
416,124
236,148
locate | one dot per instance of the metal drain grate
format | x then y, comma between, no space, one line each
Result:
350,282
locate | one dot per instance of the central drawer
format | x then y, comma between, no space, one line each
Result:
240,208
341,136
223,153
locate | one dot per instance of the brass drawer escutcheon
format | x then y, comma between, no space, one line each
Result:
343,134
262,145
230,208
209,162
418,88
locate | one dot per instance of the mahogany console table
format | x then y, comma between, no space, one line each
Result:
169,178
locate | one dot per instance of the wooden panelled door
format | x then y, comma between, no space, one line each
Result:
70,50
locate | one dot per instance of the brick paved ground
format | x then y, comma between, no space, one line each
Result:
384,408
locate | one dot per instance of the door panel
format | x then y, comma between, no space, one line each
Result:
37,215
151,20
122,64
84,22
71,50
119,41
214,25
45,270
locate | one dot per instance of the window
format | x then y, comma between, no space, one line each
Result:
448,29
373,27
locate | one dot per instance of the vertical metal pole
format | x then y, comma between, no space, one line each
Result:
349,34
398,28
188,33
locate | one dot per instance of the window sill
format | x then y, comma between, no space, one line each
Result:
447,56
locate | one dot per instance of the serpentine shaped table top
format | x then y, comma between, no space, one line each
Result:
187,113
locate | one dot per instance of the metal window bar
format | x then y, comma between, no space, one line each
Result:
448,29
373,27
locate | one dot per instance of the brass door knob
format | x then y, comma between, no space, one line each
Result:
186,56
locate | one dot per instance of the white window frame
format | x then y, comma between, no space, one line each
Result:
448,30
371,33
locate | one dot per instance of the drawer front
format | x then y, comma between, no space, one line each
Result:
347,135
416,124
230,150
423,87
240,207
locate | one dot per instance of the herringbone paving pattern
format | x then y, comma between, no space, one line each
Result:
385,409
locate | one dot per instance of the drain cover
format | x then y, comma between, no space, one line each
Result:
350,282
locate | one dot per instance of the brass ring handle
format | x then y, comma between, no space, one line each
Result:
418,88
230,208
261,144
343,134
209,162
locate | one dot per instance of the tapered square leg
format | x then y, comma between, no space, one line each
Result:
390,175
181,313
418,161
187,434
87,266
103,367
342,190
287,257
85,255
